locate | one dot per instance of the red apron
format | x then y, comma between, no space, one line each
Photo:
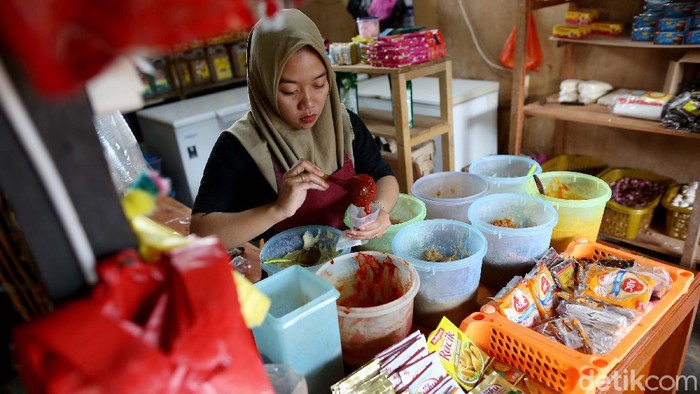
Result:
325,207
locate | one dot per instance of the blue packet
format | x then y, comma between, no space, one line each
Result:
643,34
668,38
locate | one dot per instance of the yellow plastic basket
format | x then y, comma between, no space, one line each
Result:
576,163
677,218
554,365
625,222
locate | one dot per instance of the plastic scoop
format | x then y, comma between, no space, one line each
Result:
306,257
361,189
537,181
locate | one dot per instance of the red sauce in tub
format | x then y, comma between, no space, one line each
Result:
374,284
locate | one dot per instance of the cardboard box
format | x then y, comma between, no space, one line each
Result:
677,70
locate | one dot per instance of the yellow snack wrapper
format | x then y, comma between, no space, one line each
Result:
541,285
495,384
618,286
462,359
517,303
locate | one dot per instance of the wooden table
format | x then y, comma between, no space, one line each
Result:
176,215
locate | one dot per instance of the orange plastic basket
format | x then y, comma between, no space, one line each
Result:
554,365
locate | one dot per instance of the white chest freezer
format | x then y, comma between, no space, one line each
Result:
474,112
183,134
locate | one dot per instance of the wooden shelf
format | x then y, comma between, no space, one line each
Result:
654,240
381,123
394,124
600,115
619,41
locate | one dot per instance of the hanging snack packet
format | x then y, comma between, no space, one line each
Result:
564,274
617,286
515,302
541,285
462,359
495,384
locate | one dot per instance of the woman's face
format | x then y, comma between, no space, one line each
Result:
303,88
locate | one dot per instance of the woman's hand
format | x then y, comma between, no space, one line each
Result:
374,229
303,175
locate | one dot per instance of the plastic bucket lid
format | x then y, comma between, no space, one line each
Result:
507,170
291,239
408,209
449,188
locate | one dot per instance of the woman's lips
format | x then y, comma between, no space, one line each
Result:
308,119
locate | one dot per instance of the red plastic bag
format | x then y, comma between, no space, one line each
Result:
168,327
62,43
533,55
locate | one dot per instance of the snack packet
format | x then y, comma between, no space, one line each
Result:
495,384
617,286
564,274
515,301
511,374
462,359
541,285
567,331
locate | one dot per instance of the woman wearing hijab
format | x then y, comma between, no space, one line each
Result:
265,173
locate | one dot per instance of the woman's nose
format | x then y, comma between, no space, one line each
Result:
306,100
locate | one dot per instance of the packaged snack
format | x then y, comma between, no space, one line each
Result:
607,28
692,37
618,287
567,331
676,9
683,112
495,384
654,5
515,302
579,17
460,357
541,285
646,19
645,105
511,374
668,38
564,274
643,34
566,31
671,24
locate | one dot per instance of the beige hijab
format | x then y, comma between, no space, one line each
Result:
262,131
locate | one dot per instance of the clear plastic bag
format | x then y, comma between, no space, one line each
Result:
358,218
124,157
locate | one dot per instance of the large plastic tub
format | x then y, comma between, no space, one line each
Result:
577,218
365,331
512,251
448,195
291,239
301,327
505,173
408,209
447,288
558,367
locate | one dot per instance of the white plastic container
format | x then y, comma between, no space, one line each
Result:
447,288
505,173
512,251
365,331
301,328
448,195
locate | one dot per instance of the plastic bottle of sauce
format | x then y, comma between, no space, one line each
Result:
201,73
219,62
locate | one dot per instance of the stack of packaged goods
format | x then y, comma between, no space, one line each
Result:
406,49
584,22
667,23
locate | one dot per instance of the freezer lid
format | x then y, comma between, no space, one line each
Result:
427,90
196,110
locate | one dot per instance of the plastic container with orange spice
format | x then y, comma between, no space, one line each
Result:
552,364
